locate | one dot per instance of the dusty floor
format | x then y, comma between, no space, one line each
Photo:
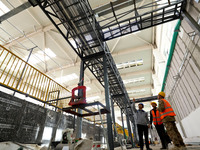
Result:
158,148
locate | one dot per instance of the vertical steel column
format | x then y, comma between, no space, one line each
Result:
107,99
79,119
113,116
129,127
123,124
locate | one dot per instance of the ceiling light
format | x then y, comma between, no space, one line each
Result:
41,56
134,80
72,41
136,91
130,64
3,8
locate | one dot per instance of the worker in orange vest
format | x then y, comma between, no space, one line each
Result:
168,118
155,118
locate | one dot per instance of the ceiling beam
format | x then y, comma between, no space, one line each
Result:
29,35
122,52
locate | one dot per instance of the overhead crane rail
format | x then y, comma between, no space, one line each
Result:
18,75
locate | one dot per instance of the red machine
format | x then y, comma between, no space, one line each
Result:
77,100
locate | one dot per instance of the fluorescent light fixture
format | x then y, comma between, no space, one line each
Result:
66,78
3,8
134,80
136,91
130,64
90,99
72,41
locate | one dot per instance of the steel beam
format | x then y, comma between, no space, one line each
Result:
107,99
113,116
80,93
123,124
129,127
15,11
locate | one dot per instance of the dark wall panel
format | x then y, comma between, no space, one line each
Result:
24,122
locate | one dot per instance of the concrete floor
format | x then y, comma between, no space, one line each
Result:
158,148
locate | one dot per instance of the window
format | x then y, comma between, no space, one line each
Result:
130,64
136,91
3,8
41,56
134,80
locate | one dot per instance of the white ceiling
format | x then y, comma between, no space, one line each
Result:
31,27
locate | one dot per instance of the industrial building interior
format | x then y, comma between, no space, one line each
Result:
70,69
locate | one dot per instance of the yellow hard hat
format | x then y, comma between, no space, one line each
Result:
153,103
162,94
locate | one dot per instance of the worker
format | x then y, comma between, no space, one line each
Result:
155,118
168,118
142,122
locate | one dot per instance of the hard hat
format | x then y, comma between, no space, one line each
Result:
162,94
141,104
153,103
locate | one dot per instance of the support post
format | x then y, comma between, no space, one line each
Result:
129,127
31,50
107,99
123,124
80,93
113,117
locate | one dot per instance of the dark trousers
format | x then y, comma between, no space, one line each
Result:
162,134
143,130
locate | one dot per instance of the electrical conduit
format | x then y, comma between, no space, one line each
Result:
171,51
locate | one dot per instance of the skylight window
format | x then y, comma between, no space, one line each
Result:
136,91
67,78
130,64
39,56
73,43
3,8
134,80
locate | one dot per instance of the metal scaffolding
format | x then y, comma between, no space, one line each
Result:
76,22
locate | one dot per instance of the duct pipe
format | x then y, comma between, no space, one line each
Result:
172,47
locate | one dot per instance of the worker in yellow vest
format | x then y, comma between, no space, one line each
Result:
155,117
168,118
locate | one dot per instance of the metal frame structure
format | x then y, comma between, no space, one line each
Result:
75,20
71,110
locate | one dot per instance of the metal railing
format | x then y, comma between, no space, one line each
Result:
20,76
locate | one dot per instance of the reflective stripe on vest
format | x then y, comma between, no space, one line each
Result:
168,110
156,117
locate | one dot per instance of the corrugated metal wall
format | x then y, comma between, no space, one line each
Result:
183,81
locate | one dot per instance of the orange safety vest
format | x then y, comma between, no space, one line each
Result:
156,117
168,110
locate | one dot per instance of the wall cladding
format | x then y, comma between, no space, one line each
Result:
183,81
24,122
